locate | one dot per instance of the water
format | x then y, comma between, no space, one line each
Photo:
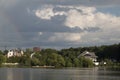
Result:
57,74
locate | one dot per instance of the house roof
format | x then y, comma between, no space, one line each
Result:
88,54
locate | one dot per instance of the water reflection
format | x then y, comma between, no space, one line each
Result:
12,74
57,74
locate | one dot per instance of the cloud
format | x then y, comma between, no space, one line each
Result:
78,16
50,23
90,17
77,19
68,37
47,12
95,26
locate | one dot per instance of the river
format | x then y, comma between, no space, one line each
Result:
58,74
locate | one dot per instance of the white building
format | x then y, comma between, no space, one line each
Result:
14,52
91,56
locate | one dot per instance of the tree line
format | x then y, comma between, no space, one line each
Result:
65,57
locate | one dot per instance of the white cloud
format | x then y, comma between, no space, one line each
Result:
77,19
84,18
90,18
72,37
79,16
81,8
47,13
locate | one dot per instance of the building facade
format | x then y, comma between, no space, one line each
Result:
14,52
90,55
36,49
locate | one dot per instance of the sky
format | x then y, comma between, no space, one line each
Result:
59,23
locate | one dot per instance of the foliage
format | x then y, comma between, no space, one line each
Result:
66,57
87,62
13,60
76,62
2,59
35,61
25,61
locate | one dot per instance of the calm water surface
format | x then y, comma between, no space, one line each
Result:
57,74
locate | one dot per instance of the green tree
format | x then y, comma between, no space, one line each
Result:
68,62
52,59
2,59
60,61
85,62
13,59
25,61
1,53
76,62
35,61
5,52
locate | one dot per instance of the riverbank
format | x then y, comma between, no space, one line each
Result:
113,68
43,66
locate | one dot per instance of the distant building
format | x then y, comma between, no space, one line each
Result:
36,49
89,55
15,52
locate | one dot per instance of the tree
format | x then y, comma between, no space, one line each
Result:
1,53
52,59
5,52
35,61
76,62
85,62
2,59
60,61
68,62
13,59
25,61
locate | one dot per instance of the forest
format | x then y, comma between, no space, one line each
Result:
66,57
